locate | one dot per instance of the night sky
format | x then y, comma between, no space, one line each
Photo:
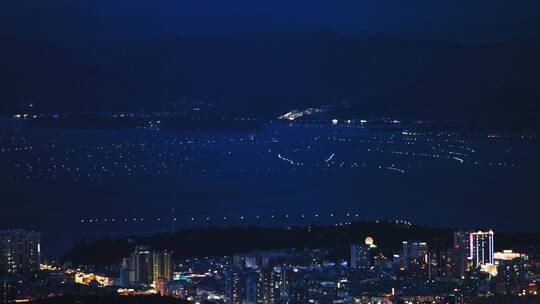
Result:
461,20
417,58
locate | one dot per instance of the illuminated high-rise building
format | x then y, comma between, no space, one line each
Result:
481,248
360,256
141,265
461,253
233,286
265,288
414,251
20,251
440,264
284,283
147,266
416,257
162,265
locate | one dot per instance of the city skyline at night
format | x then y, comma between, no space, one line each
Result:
270,152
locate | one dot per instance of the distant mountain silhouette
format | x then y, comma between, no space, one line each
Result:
214,241
74,60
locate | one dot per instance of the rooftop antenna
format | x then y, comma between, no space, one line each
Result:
173,220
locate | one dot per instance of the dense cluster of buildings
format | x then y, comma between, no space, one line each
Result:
146,268
420,272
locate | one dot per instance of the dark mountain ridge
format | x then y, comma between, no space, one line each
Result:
67,58
215,241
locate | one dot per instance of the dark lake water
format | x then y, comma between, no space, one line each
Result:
73,184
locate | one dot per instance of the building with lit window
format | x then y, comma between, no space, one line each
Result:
20,251
234,286
141,266
461,253
7,291
147,266
508,255
360,256
162,265
265,288
481,248
416,258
